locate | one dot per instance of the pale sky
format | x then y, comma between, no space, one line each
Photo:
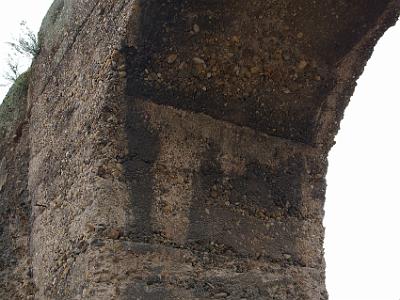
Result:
363,199
362,216
11,15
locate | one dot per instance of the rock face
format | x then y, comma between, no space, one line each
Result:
177,149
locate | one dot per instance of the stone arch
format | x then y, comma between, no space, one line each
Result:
178,148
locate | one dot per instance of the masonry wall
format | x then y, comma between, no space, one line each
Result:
177,149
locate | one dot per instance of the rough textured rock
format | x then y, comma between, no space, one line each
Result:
15,206
177,149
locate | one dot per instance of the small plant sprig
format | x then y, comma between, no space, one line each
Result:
13,69
26,45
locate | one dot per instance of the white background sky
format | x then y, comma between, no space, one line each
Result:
363,199
11,15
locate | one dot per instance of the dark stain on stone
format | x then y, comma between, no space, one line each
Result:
271,189
144,148
265,61
209,175
254,101
216,214
247,73
141,290
331,27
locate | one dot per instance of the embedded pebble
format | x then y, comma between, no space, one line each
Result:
198,61
196,28
221,295
302,64
172,58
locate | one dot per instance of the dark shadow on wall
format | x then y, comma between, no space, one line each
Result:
167,62
239,61
333,27
143,146
222,201
202,77
160,28
139,291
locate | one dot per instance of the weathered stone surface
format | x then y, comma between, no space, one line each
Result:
177,149
15,206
